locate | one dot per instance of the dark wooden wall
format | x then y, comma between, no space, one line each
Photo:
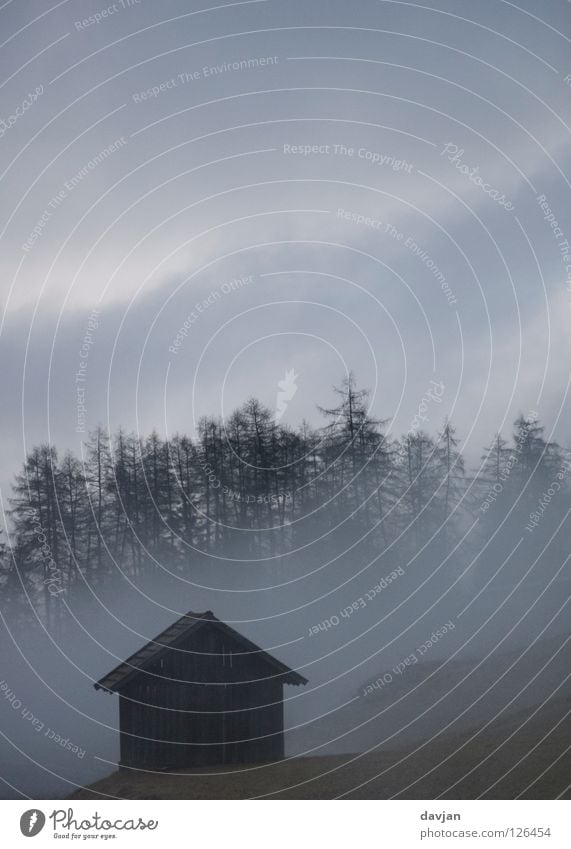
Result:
206,704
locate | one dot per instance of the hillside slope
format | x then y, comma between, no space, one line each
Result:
525,755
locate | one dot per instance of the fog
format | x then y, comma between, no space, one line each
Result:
488,623
284,336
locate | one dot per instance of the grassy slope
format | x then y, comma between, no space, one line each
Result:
424,774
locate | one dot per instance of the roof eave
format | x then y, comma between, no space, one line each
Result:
297,681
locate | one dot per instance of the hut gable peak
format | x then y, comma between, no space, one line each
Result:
181,632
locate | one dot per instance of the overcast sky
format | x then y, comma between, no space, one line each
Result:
344,185
202,201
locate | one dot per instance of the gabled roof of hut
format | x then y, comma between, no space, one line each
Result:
178,633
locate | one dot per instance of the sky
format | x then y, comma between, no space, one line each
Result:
321,187
207,201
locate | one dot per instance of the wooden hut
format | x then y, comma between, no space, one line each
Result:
200,694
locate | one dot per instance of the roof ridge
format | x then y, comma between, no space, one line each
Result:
128,667
193,614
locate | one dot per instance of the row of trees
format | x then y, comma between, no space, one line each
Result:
250,488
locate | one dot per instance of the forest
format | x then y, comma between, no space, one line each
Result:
252,489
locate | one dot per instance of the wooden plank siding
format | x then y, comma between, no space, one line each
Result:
202,703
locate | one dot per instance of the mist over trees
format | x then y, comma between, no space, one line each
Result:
253,489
